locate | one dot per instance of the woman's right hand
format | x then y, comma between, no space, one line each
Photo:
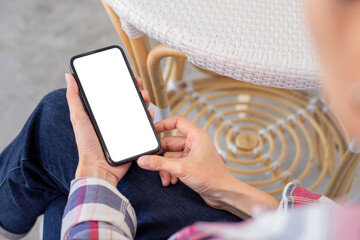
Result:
194,159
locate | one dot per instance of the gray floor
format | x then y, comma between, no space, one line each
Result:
36,41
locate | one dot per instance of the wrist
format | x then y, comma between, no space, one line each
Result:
95,171
239,198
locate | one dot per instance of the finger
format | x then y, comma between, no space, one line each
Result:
72,94
173,154
180,123
152,113
138,81
173,143
174,179
158,163
165,178
145,95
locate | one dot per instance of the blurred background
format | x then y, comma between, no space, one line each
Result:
36,41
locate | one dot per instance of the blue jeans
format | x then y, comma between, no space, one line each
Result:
37,167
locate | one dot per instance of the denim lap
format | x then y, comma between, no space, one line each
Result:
37,167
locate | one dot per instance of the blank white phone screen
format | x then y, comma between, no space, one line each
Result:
115,104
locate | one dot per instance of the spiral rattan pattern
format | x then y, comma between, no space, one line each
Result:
268,141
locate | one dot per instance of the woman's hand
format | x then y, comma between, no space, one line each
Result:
194,160
92,161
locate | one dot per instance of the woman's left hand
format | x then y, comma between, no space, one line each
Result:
92,161
194,160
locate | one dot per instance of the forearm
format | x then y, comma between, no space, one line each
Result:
239,198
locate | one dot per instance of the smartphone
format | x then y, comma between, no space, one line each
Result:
114,104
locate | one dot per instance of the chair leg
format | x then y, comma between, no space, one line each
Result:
156,77
169,66
174,69
178,70
341,182
123,36
141,48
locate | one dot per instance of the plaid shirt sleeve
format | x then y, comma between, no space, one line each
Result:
316,221
294,196
97,210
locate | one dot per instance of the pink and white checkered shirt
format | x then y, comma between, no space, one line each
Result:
97,210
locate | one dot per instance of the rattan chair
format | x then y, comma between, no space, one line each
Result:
267,136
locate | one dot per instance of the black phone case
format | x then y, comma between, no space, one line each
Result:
92,118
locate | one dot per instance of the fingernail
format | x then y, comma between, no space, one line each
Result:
67,79
143,161
162,180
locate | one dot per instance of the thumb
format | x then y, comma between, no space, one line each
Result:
76,107
158,163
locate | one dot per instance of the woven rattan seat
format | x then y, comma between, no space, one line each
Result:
262,42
